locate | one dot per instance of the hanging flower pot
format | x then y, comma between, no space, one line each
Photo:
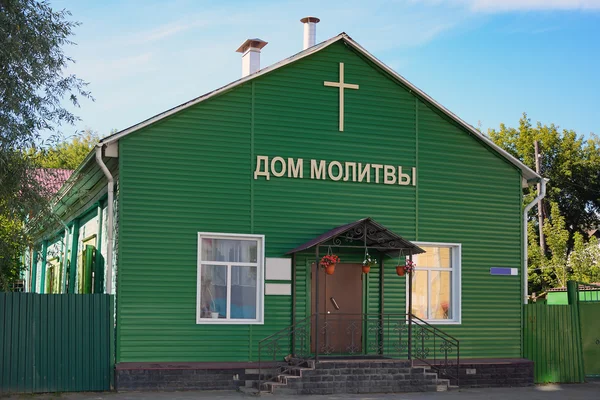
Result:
328,262
367,263
407,268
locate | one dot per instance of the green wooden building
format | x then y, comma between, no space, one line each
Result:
191,219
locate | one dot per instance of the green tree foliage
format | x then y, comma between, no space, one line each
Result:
33,86
572,204
584,260
68,154
569,161
11,240
561,263
554,267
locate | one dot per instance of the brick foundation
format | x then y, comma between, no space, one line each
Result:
476,373
329,377
185,376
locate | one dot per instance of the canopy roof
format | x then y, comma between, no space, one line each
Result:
363,233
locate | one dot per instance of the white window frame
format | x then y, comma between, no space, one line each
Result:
456,296
260,280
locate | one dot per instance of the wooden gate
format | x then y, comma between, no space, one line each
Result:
552,341
589,313
56,342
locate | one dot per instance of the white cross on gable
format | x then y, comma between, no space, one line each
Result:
342,85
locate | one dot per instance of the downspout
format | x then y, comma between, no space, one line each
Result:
109,221
539,197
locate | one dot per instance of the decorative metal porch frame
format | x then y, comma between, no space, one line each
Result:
370,235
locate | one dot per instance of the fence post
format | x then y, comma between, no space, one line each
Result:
573,299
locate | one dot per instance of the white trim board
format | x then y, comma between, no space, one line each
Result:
278,269
278,289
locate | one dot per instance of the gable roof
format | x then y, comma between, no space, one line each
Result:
527,173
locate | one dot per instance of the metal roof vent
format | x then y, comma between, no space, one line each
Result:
310,31
250,50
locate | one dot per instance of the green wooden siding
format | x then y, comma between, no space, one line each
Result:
194,172
467,195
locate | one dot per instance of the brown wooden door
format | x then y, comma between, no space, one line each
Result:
340,309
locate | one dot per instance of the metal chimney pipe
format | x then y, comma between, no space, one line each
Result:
310,31
250,50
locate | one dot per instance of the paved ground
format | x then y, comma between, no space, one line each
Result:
587,391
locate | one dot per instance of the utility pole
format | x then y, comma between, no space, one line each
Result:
540,203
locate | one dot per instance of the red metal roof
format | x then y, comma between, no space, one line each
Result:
52,179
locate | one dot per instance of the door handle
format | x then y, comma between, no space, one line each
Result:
335,304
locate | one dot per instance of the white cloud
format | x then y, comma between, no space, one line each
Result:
494,6
530,5
162,32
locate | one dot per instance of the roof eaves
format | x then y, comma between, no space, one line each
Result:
69,183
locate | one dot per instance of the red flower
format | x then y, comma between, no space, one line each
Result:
329,259
409,266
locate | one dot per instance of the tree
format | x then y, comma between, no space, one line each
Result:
67,154
11,244
570,162
584,261
32,88
560,264
555,267
572,203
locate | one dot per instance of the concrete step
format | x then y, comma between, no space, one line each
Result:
291,370
252,391
443,385
283,378
279,388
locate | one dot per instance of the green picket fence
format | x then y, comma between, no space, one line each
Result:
56,342
589,314
553,341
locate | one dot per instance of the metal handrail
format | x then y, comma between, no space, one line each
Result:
390,336
421,322
448,339
283,333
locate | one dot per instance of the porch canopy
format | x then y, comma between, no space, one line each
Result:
364,233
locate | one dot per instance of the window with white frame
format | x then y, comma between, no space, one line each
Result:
230,279
436,283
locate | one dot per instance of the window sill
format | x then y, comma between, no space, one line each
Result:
209,321
441,322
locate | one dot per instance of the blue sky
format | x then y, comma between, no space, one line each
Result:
486,60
